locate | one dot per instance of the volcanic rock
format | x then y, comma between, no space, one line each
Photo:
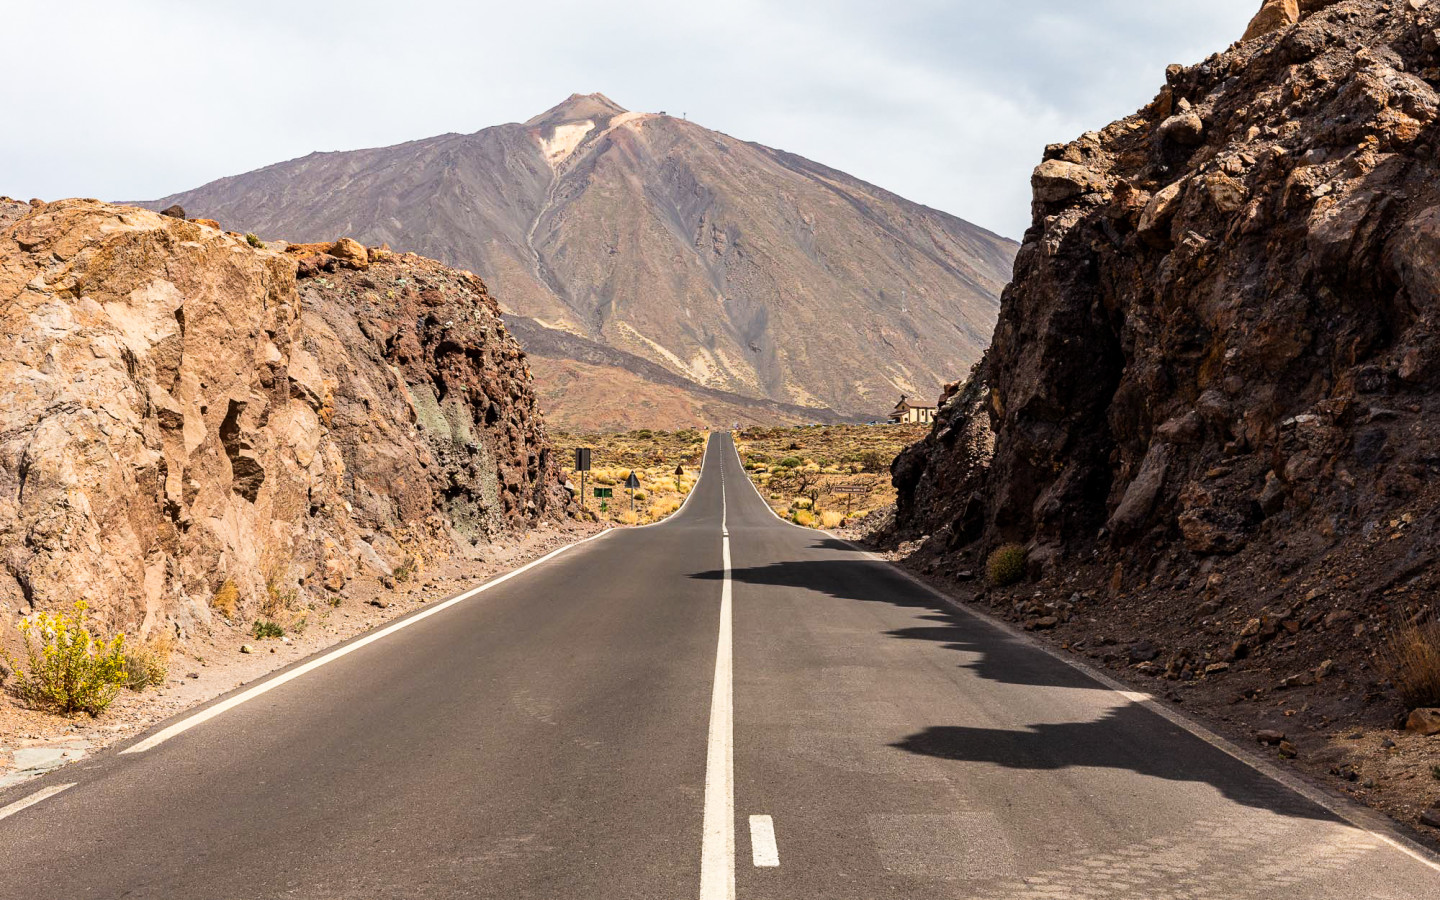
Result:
767,287
179,414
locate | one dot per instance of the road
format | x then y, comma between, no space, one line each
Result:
580,731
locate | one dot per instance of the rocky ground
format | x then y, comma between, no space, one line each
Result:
205,433
833,476
1209,411
213,664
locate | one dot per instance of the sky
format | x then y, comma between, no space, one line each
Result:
949,103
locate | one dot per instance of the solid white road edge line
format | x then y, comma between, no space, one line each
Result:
717,846
763,851
1367,820
27,802
225,706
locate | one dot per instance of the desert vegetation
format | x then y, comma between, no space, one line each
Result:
824,476
68,667
666,463
1412,661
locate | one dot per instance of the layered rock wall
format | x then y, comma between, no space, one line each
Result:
179,413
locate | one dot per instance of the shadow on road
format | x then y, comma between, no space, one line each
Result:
1129,737
1001,657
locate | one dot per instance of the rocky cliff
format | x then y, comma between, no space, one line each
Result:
1222,323
736,267
1214,377
1210,409
180,412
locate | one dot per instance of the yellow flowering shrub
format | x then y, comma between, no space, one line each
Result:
68,669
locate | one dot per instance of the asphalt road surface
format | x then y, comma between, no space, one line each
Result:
721,705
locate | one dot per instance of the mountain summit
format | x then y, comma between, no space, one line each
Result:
666,272
578,108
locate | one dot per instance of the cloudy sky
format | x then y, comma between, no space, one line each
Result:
946,102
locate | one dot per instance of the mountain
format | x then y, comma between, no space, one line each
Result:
740,268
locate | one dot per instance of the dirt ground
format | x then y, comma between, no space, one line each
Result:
33,742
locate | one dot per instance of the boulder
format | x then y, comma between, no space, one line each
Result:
1056,180
175,212
1185,129
352,254
1273,15
1424,721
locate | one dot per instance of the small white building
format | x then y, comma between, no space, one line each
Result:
907,413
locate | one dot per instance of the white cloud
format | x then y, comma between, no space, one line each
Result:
947,102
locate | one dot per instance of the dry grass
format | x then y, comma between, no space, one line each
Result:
1412,661
226,600
798,469
147,664
652,455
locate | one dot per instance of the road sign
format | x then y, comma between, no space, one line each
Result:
850,490
582,465
632,483
604,493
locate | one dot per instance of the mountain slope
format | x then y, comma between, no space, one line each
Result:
739,267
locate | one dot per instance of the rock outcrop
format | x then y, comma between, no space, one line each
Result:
1220,353
180,413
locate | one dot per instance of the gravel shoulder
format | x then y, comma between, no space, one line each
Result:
33,743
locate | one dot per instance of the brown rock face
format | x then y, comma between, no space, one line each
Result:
1232,346
179,414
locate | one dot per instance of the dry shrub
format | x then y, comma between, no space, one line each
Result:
1411,659
831,519
147,664
805,517
628,518
1006,565
227,599
277,598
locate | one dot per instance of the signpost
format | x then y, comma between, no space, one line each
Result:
582,465
632,483
850,490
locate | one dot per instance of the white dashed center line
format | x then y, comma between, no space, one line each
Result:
27,802
763,851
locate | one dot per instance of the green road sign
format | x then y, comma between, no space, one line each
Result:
604,492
